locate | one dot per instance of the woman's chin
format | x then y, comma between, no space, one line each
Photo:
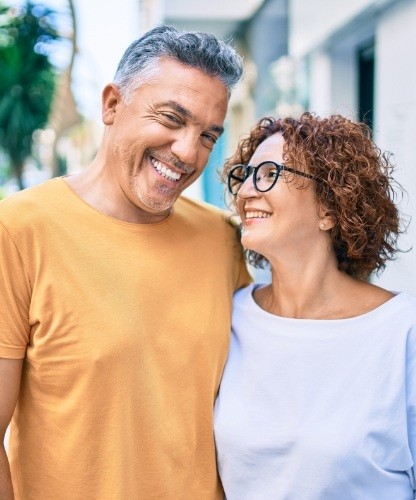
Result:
250,245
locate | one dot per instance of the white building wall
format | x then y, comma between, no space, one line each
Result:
344,79
396,123
151,13
329,42
333,71
311,22
320,88
214,9
333,82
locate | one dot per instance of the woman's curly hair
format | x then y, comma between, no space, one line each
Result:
355,185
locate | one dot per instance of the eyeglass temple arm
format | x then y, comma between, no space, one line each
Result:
303,174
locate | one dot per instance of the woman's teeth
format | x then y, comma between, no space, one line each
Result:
257,215
164,171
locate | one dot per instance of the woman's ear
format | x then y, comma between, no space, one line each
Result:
325,221
111,97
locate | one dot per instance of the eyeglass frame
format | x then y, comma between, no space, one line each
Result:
250,170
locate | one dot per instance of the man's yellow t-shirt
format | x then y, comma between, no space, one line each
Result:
125,330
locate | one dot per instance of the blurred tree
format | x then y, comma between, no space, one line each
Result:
27,80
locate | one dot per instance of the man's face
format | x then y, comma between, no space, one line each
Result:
159,142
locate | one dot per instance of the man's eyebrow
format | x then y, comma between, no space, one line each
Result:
185,112
217,128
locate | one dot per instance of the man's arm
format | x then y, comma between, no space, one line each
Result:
10,372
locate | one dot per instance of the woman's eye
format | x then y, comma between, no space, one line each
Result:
267,175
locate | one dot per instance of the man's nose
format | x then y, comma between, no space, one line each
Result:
185,147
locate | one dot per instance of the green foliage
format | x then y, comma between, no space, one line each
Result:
27,80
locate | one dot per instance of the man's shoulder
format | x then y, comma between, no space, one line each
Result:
209,222
198,206
30,203
202,211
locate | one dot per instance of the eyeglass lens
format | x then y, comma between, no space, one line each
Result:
266,175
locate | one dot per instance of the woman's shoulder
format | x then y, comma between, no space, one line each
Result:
408,303
364,297
380,295
396,310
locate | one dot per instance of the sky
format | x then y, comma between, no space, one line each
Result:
105,29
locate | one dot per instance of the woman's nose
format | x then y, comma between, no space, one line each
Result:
247,189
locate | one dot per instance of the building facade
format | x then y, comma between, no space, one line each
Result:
357,59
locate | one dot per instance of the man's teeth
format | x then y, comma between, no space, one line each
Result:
257,215
166,172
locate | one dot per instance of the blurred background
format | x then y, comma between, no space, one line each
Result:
354,57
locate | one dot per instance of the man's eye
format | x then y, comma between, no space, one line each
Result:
209,139
172,118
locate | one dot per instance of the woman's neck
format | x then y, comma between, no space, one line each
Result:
317,290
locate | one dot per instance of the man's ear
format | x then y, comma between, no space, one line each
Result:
111,97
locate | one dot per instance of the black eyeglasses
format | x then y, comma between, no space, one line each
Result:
265,176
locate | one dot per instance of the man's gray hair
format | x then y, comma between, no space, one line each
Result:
197,50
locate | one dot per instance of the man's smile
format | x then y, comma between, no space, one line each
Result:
165,171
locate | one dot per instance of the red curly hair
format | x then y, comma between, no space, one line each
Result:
355,185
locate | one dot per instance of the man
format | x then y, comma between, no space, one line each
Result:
115,294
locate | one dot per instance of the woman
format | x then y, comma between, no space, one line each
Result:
318,396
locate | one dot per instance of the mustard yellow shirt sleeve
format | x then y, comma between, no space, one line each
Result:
243,276
14,299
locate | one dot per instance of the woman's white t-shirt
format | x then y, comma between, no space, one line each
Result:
319,409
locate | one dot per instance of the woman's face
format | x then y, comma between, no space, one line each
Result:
284,220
